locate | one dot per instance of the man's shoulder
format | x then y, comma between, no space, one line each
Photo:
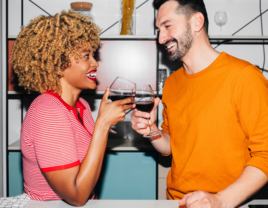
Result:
235,62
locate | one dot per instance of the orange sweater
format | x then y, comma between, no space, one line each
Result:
217,120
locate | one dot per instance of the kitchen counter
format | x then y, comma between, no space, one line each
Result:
120,204
107,204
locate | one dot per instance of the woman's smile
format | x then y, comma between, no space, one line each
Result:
92,75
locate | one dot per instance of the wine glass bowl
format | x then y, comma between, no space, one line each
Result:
120,89
144,101
220,19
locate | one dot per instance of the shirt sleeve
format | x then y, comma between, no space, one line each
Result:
251,102
53,138
165,124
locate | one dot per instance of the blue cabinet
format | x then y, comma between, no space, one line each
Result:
125,175
128,175
15,177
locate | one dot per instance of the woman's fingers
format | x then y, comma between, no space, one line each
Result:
126,101
105,96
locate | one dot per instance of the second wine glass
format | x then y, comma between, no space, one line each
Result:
220,19
144,101
120,89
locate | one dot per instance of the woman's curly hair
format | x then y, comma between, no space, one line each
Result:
41,51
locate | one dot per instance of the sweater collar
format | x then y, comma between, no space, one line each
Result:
78,104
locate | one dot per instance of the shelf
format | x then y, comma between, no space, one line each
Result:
14,146
154,37
96,93
85,92
238,39
130,37
112,145
115,37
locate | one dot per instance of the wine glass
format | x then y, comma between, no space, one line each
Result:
220,19
144,101
120,89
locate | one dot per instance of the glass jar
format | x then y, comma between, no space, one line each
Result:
82,8
128,17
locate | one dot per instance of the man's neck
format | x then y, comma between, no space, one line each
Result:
199,57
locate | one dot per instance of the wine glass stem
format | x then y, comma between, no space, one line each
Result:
220,30
150,126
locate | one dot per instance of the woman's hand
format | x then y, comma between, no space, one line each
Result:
110,113
140,122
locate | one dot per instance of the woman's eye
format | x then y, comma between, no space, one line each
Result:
86,56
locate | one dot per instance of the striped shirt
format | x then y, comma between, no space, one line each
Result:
53,138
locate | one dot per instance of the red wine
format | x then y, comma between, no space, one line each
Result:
145,106
118,97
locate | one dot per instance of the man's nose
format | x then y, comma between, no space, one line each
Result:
162,37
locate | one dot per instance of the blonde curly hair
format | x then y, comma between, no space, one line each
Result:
41,51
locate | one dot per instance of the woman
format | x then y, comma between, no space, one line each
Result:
62,149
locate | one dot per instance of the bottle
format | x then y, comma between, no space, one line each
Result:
128,17
82,8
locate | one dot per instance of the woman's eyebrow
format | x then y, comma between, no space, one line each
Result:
86,50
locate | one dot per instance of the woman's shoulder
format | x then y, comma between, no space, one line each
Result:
46,102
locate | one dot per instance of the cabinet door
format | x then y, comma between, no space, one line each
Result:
15,177
128,175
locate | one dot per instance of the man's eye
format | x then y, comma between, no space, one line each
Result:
167,26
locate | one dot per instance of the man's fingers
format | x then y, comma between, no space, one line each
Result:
137,113
156,102
184,199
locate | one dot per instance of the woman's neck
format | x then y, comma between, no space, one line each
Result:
70,97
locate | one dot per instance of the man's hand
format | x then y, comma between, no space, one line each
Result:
202,199
140,122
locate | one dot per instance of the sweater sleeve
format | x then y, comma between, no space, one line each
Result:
251,103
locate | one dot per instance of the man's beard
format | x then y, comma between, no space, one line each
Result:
185,43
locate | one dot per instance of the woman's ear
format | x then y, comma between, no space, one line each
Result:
198,21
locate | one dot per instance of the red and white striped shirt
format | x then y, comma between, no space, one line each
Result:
53,138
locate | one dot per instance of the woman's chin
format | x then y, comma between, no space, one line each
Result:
92,87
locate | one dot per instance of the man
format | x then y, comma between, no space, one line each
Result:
215,114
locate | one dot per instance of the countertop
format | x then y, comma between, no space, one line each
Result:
120,204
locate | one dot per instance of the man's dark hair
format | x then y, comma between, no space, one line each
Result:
188,8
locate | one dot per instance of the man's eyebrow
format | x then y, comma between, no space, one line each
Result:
163,23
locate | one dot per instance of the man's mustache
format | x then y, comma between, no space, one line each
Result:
169,41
